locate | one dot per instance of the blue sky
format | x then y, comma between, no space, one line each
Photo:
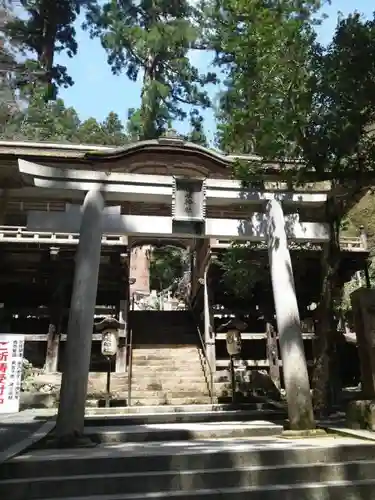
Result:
97,92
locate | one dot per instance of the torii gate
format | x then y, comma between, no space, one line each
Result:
189,199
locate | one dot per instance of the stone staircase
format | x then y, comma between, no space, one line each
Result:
167,360
208,464
168,375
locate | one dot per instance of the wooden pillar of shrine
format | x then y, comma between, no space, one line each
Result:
56,311
209,325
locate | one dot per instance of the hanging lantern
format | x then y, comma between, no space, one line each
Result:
234,342
109,342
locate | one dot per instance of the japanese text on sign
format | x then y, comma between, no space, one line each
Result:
11,356
189,200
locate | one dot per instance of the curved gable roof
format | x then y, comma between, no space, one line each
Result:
171,155
162,156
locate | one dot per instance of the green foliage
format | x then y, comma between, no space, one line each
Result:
110,132
336,138
46,30
289,97
240,275
152,39
167,265
53,121
264,47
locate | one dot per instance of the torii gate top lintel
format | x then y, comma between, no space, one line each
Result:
188,199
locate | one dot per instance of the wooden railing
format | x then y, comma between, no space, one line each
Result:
348,244
14,234
352,244
206,365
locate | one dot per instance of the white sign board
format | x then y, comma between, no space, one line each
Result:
189,200
11,355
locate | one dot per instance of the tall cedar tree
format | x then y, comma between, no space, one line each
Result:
47,30
152,38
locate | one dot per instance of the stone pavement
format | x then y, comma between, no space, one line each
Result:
20,430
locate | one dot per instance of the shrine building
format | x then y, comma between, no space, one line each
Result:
112,204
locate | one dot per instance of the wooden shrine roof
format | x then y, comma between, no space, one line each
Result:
165,156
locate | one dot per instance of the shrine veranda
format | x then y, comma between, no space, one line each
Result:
152,192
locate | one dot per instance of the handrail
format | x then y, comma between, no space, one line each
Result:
129,349
130,365
189,306
208,364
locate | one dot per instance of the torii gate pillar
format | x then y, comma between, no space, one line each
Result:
71,414
296,377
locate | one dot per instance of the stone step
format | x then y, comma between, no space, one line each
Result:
178,361
166,355
115,416
362,489
147,401
157,324
258,468
163,333
184,392
162,322
178,351
168,330
182,431
162,378
136,457
161,339
162,360
170,386
163,326
169,382
203,410
150,349
167,367
168,376
167,350
140,375
183,484
166,382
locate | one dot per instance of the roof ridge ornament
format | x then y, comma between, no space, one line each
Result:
171,136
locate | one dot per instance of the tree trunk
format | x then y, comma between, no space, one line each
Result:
150,107
46,54
326,362
320,377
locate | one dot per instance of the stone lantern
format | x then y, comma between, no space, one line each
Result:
109,328
233,336
234,345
